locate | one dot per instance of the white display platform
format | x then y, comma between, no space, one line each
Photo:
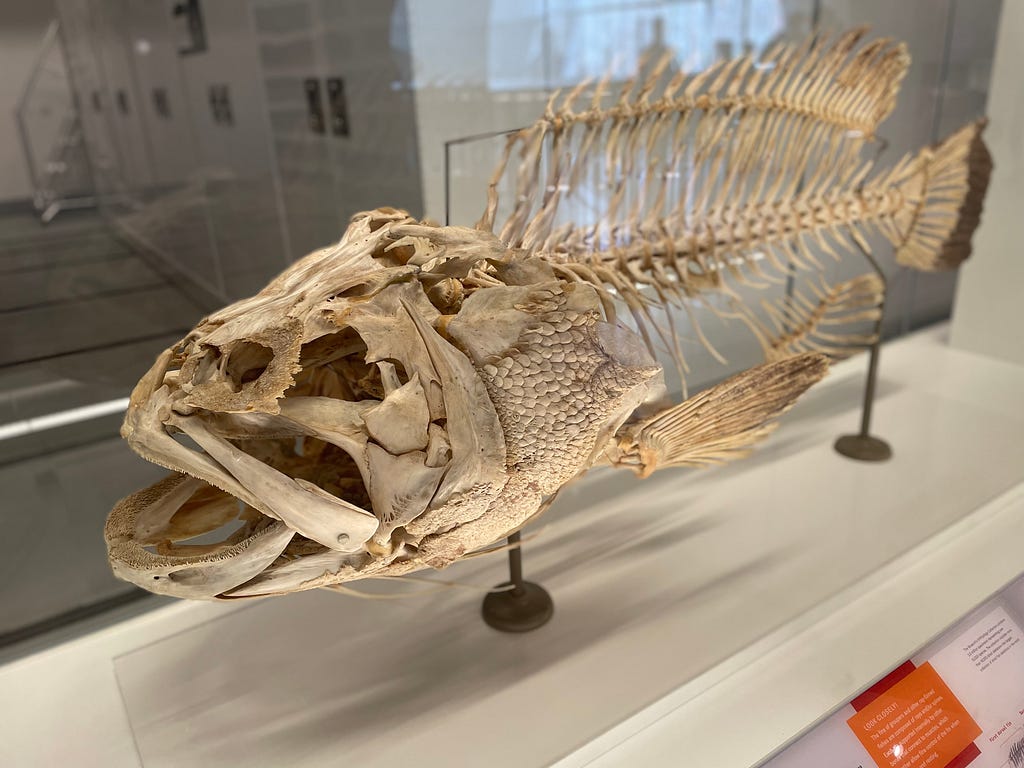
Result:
702,618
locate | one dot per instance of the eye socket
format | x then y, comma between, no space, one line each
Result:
247,361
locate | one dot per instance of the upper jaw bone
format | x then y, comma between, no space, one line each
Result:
145,432
316,514
304,507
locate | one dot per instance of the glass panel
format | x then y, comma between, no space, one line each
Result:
172,217
229,138
370,106
571,41
51,132
337,82
87,80
122,101
230,121
942,38
289,68
85,312
963,92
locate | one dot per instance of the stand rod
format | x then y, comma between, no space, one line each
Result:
869,390
515,561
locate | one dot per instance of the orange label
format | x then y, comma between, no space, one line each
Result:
917,722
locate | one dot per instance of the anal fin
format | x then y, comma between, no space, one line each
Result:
819,318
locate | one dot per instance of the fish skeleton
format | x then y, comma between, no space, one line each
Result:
415,393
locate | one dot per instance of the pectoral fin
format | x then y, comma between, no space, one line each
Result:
719,424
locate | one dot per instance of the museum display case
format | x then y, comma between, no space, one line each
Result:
736,615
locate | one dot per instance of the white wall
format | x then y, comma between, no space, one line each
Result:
987,312
22,25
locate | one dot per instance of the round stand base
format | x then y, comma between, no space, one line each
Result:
518,610
863,448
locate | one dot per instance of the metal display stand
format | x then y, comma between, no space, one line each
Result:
517,605
864,446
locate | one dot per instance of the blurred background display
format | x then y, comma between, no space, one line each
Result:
159,159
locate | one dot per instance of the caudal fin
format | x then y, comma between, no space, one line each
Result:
944,187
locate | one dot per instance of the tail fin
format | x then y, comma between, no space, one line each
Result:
944,186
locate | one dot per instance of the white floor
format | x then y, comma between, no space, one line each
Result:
702,618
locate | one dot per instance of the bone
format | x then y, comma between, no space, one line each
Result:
295,575
474,432
490,321
305,508
337,421
400,487
399,424
145,432
197,577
